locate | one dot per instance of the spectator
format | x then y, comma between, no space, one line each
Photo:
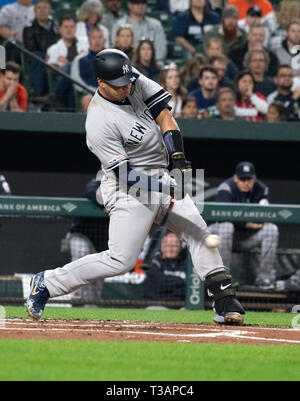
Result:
244,187
207,90
13,96
251,106
254,17
172,6
112,13
169,79
190,108
268,14
220,63
4,186
276,112
42,33
84,238
144,27
190,26
285,52
14,18
89,16
285,94
256,38
68,47
226,105
257,62
288,10
82,67
145,60
189,73
214,47
166,277
124,40
228,30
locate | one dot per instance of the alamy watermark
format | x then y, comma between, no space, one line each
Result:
2,317
296,59
2,58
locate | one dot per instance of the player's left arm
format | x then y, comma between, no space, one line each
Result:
173,140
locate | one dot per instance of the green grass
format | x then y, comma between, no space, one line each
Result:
180,316
112,361
149,361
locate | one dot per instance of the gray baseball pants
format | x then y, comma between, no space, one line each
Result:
130,223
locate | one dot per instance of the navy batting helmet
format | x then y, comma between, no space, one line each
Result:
114,67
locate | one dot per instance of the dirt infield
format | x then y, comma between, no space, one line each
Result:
140,331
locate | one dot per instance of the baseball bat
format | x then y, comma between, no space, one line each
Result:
155,241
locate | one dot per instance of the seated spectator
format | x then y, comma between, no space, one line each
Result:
124,40
228,30
82,69
254,17
189,73
219,63
13,96
38,37
112,13
68,47
249,105
190,26
172,6
256,38
257,62
144,27
285,52
4,186
145,60
84,238
214,47
189,108
89,16
166,277
225,104
244,187
268,14
285,94
288,10
169,79
276,112
13,19
207,91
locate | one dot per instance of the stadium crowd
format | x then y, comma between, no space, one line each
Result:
231,60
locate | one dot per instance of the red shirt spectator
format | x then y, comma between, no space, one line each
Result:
13,96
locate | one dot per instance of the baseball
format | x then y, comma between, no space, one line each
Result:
212,241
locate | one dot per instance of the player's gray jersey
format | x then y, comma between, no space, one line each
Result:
120,132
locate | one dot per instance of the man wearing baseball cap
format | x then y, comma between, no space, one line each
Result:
253,17
228,31
144,27
244,187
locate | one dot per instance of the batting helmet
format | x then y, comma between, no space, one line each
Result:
114,67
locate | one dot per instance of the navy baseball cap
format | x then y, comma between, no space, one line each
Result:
254,11
245,169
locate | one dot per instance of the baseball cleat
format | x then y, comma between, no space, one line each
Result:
229,319
38,297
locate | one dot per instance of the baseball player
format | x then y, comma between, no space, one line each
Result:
130,129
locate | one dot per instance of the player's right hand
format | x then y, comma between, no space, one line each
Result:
179,162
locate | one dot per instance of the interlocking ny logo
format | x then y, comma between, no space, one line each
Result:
126,69
2,58
296,59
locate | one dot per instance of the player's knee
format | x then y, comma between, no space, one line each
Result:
123,265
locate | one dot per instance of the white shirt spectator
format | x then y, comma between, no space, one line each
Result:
57,53
179,5
82,34
16,17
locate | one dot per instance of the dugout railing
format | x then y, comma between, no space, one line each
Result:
33,229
